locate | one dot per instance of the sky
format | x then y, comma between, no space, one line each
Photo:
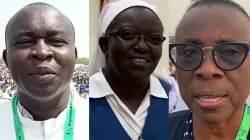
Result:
76,10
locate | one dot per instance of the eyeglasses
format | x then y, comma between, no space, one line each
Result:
133,37
226,56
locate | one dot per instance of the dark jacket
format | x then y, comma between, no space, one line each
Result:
177,123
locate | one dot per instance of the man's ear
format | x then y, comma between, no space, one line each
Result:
76,54
103,43
4,56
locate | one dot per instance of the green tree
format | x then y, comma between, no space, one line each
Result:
82,60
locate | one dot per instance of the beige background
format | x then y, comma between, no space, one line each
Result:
170,11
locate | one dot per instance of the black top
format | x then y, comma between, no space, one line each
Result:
177,124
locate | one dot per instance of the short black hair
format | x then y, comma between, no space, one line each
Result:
209,3
41,4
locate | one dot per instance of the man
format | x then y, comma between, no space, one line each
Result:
40,54
213,64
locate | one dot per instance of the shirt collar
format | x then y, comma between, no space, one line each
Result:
99,87
24,112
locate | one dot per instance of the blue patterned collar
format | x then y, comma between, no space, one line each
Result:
188,133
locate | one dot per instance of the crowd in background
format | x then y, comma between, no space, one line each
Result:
80,79
7,85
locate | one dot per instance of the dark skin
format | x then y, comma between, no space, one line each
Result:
128,81
39,38
214,26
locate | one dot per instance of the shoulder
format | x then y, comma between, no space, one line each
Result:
165,84
179,115
96,79
96,76
6,110
78,100
81,106
6,117
177,121
5,105
81,116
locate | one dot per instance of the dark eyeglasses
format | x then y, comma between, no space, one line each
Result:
133,37
226,56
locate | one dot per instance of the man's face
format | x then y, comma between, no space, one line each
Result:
211,94
40,52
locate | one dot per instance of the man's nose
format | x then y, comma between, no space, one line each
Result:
41,51
208,69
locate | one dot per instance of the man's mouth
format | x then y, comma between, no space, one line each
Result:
210,100
139,60
43,78
42,74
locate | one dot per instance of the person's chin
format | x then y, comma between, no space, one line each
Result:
213,116
137,75
44,98
43,93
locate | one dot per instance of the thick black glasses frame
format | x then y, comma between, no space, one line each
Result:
245,46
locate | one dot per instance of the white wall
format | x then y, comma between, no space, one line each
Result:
94,12
177,9
163,9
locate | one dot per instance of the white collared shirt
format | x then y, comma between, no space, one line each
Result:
51,129
132,123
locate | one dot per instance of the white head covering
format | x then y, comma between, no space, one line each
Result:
109,12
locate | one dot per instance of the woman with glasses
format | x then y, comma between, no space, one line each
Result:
128,92
213,65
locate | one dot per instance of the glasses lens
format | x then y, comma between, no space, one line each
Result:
229,56
127,34
186,57
155,39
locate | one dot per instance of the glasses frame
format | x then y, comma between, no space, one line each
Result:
245,45
138,37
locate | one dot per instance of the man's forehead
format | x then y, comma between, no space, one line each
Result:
31,18
218,22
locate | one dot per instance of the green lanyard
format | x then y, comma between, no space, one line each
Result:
245,125
68,128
